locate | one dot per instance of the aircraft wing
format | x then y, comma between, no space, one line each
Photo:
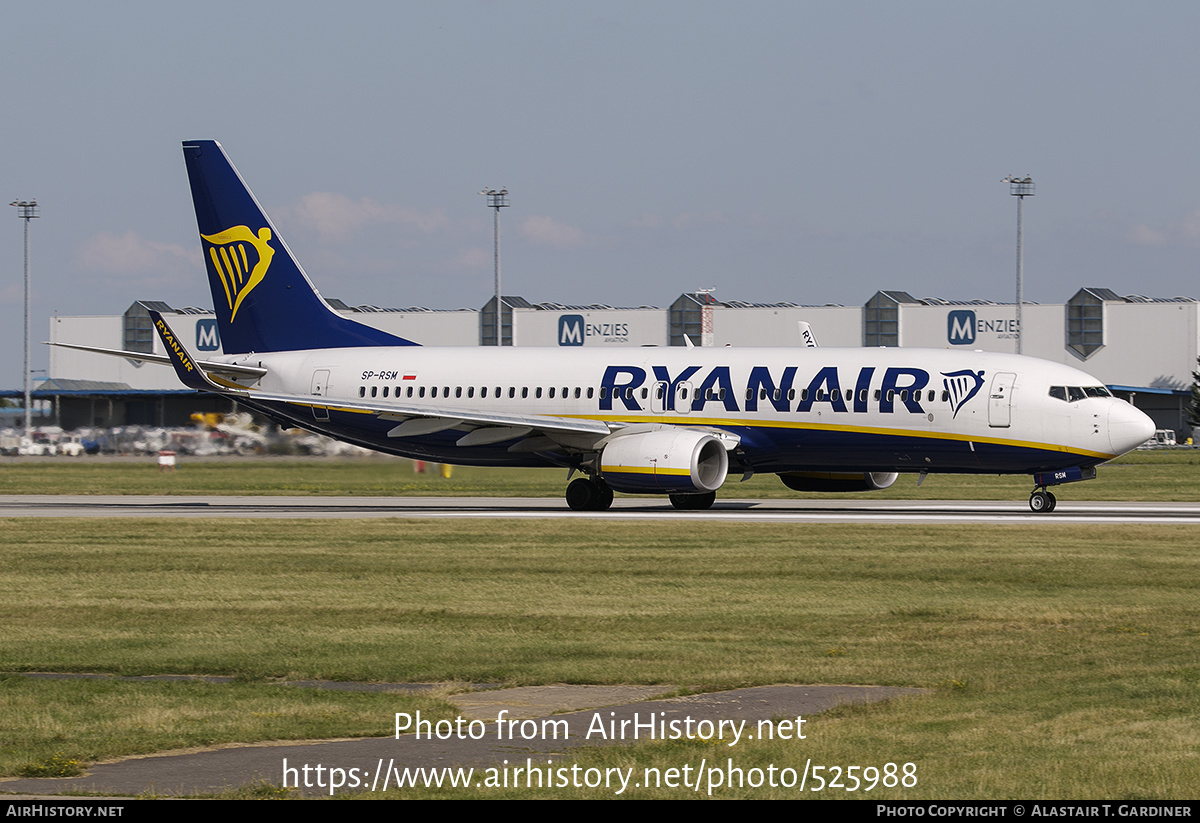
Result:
412,420
482,428
231,369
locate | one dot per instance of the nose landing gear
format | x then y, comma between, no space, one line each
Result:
1042,501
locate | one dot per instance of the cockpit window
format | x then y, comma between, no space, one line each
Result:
1074,393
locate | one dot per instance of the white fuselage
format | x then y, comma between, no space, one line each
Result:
793,409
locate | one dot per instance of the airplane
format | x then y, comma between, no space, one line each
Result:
673,421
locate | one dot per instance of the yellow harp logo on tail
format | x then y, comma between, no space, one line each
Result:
239,274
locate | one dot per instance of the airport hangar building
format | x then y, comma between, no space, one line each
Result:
1143,349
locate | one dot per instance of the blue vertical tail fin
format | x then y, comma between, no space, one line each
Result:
263,299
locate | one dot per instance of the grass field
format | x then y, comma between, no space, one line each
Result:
1062,660
1138,476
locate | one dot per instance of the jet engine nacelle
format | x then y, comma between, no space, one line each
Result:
666,461
838,481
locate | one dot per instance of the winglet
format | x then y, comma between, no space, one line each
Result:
186,368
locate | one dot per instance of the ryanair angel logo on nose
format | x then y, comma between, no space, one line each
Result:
239,272
962,386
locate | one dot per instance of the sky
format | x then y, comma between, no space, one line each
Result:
811,152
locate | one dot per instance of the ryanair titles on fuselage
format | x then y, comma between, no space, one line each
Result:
897,385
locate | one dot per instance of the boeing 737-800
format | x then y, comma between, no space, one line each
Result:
674,421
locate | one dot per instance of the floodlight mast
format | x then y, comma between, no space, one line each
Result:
496,201
26,210
1019,188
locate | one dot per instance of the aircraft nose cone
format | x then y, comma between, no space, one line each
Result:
1128,427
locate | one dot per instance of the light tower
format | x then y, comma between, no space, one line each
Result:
26,210
1019,188
497,201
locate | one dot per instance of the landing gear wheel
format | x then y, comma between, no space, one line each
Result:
581,495
1053,501
1041,501
585,495
693,502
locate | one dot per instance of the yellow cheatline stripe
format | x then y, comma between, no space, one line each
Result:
221,381
327,406
835,427
642,470
780,424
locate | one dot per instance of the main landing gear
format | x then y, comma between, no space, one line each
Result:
1042,501
589,495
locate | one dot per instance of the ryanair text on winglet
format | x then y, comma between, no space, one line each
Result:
176,349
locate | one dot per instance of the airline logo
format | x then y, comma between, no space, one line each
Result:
867,389
208,336
960,327
570,330
241,259
173,347
962,386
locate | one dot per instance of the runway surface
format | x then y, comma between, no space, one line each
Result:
637,509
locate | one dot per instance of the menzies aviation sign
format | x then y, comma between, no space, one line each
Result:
208,336
960,327
964,326
575,330
570,330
